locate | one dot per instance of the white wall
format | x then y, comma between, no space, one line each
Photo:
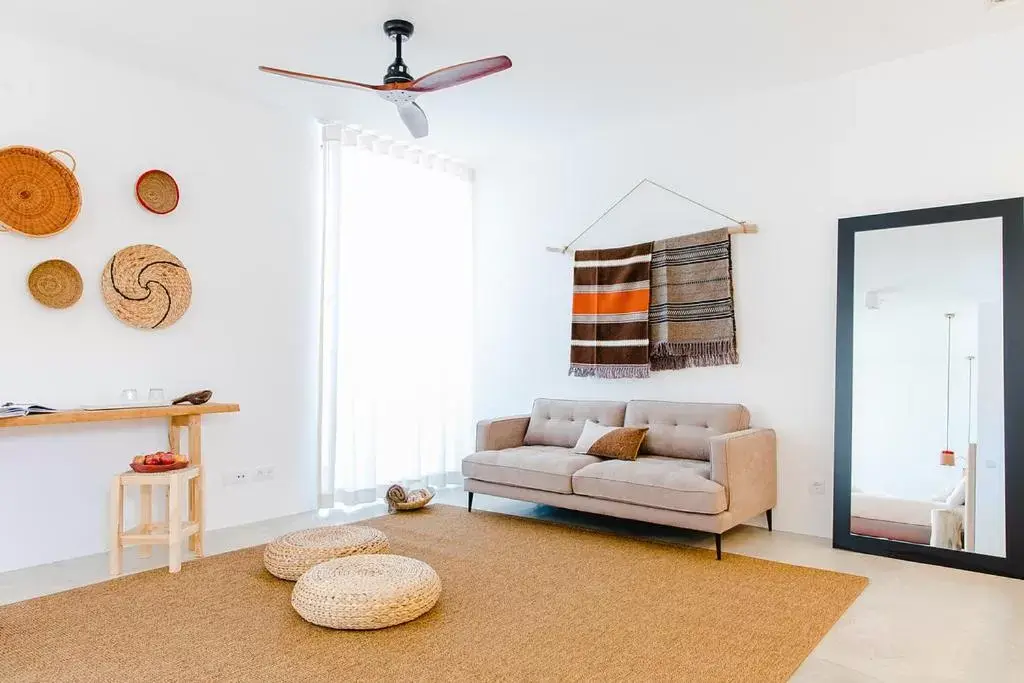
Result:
990,522
248,231
899,397
938,128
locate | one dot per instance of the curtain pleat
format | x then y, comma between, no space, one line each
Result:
396,325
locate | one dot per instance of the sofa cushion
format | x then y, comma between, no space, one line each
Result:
652,481
548,468
621,443
555,422
682,430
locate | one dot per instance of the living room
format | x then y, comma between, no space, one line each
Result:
790,117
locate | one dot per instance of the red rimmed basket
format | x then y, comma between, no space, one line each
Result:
157,192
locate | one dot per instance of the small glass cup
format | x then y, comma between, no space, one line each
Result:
129,395
156,395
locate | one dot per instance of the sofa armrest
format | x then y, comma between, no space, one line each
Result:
503,432
744,463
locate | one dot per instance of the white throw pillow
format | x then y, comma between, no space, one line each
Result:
959,495
944,495
592,431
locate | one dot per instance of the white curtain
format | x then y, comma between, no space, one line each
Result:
397,323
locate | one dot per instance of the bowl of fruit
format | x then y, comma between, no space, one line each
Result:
162,461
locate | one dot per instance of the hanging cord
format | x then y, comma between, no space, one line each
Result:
637,187
949,355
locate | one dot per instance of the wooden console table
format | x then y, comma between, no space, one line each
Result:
178,417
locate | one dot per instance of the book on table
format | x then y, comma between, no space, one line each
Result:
23,409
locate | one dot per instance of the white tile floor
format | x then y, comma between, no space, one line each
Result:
913,623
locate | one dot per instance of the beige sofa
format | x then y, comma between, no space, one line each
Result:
701,466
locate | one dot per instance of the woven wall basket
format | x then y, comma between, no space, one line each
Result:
146,286
39,196
55,283
157,191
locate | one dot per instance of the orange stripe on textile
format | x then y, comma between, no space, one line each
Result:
636,301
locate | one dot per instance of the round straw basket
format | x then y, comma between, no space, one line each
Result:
39,196
157,191
146,286
55,284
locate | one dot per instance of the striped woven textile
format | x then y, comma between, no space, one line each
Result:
692,318
610,302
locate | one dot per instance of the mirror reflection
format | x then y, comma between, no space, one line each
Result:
927,442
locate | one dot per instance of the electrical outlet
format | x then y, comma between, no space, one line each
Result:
235,478
264,473
817,488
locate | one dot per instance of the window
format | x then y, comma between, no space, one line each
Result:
397,318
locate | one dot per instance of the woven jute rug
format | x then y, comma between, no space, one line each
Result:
522,600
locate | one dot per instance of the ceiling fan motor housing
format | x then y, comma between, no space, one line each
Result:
399,30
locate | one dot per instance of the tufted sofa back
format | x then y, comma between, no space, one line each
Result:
682,430
555,422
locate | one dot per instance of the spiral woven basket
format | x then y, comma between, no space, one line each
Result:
157,191
293,554
146,286
39,195
366,592
55,284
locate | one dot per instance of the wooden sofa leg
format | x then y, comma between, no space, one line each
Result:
469,507
768,514
718,546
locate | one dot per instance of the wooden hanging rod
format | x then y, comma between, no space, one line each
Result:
743,228
740,227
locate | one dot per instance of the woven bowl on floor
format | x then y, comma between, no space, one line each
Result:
290,556
39,195
366,592
146,286
55,283
157,191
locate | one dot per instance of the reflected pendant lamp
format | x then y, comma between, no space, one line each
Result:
948,458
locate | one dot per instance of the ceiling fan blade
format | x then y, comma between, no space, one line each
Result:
460,73
414,118
323,80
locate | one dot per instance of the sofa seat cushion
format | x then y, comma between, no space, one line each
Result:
547,468
653,481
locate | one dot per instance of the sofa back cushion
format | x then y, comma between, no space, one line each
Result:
556,422
682,430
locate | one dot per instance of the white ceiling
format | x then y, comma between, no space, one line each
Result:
576,63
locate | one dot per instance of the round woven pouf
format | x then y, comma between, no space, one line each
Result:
364,592
291,555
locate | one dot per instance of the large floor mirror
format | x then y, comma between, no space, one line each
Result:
930,386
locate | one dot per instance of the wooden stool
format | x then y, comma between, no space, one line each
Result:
149,533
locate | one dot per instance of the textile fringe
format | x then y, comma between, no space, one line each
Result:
609,371
679,355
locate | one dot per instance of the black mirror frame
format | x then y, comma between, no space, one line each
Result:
1011,211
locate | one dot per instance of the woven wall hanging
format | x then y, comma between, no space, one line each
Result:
146,286
55,283
39,195
157,191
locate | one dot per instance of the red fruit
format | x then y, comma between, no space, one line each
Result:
167,459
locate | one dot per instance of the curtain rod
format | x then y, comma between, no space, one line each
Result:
741,227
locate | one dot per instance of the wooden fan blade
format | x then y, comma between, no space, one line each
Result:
414,118
459,74
322,80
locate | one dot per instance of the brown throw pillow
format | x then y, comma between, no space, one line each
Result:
621,443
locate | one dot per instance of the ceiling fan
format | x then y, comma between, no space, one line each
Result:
399,87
